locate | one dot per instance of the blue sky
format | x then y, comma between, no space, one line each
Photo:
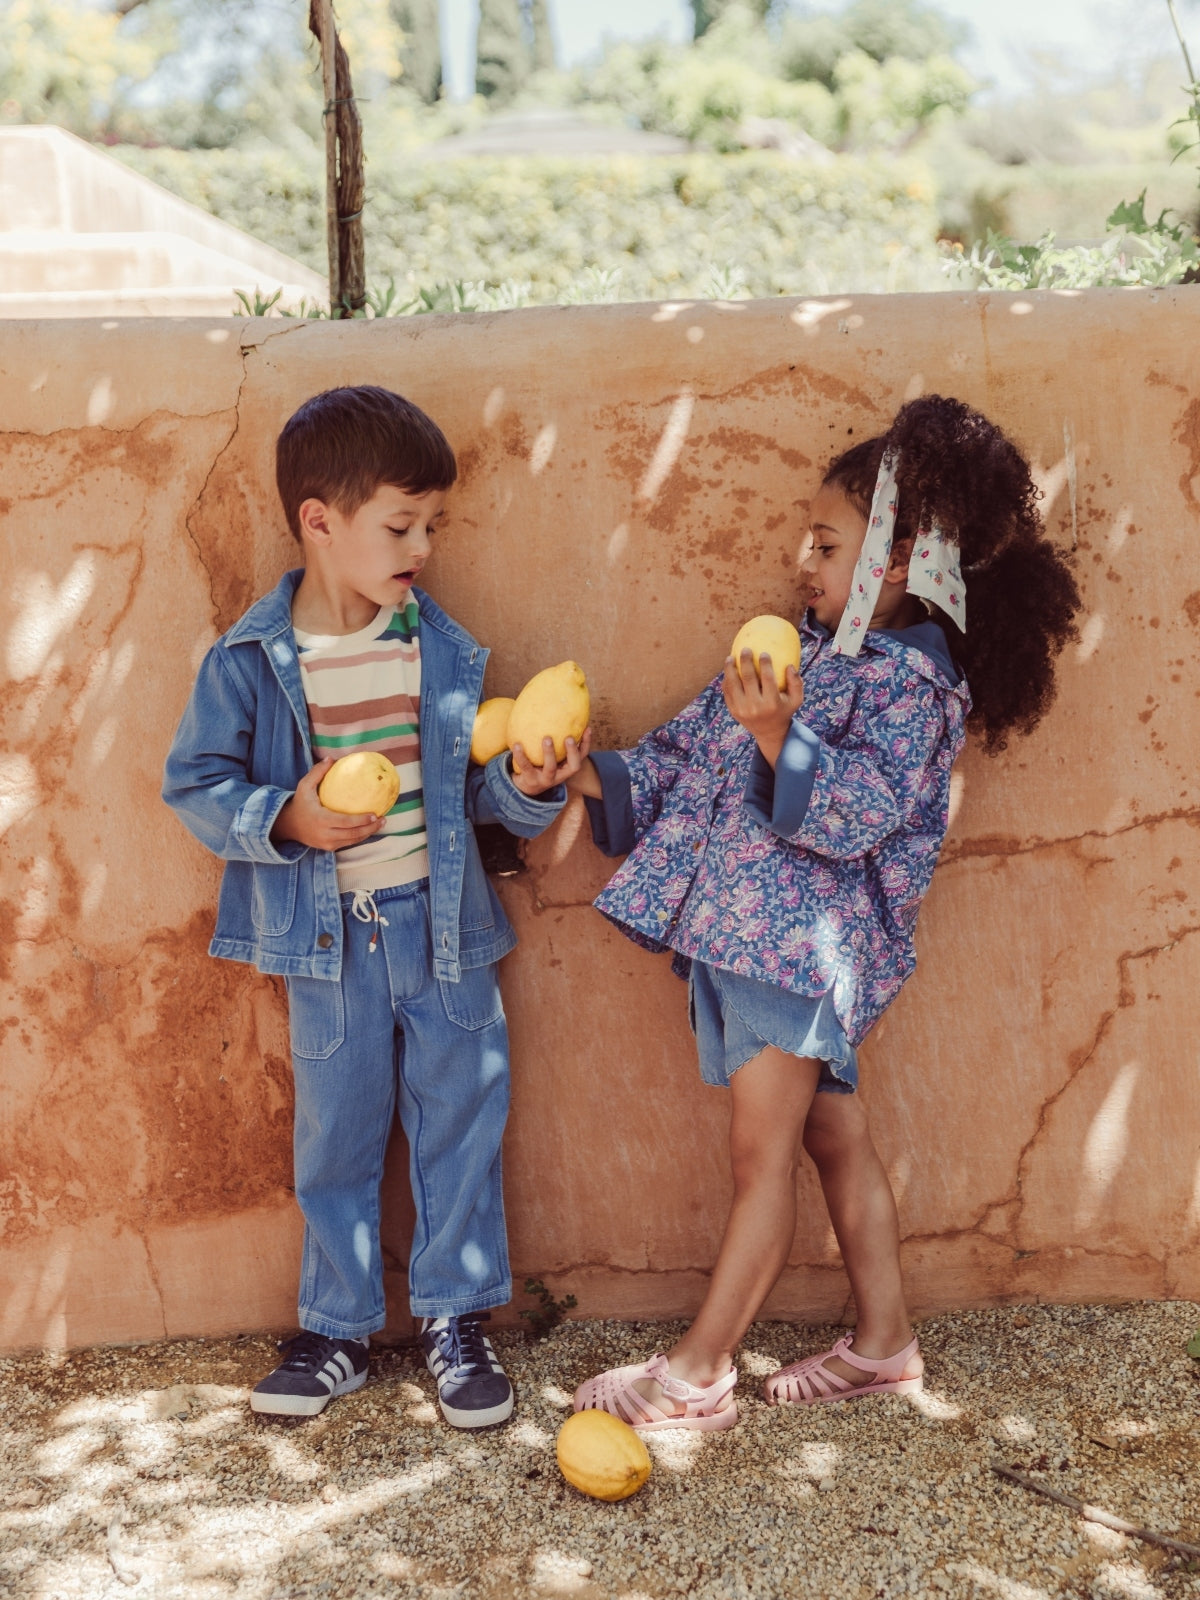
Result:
1091,35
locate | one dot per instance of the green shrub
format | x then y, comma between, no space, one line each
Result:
670,226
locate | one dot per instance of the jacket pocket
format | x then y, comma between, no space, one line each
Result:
475,906
474,1001
273,899
316,1017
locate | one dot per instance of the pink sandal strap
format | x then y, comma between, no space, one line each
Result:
614,1392
809,1381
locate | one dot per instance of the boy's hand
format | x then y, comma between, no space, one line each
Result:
304,819
533,780
762,708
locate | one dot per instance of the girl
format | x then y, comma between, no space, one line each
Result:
782,837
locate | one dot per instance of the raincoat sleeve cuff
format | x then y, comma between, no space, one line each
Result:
611,816
779,799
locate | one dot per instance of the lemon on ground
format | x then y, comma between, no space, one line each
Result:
490,734
361,782
554,704
769,636
601,1455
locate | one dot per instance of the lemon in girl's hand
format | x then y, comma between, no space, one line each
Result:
769,636
359,783
490,734
554,704
601,1455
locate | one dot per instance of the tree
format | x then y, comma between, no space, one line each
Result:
421,50
503,59
538,14
811,46
706,12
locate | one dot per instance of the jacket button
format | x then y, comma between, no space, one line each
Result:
324,940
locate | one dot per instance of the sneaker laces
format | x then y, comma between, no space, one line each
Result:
305,1352
464,1344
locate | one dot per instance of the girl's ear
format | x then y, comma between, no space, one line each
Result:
898,561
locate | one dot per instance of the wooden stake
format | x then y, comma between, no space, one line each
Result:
320,22
1096,1514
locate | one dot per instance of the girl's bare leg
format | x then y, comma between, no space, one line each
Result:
771,1097
862,1209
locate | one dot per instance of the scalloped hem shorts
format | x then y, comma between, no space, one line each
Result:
734,1018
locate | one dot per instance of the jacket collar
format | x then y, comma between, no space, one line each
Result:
877,641
272,615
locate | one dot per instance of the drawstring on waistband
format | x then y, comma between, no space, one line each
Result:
365,909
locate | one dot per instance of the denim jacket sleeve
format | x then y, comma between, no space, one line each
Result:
492,796
841,799
206,783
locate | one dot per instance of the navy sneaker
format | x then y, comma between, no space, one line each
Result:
313,1371
473,1388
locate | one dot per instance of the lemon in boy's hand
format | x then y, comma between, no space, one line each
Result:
490,734
358,783
554,704
769,636
601,1455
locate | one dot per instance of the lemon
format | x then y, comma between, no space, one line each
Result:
490,734
601,1455
769,636
554,704
358,783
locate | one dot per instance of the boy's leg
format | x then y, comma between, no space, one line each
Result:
344,1061
453,1104
453,1101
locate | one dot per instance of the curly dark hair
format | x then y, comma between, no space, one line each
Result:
959,470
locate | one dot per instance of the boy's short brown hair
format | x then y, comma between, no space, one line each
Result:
343,444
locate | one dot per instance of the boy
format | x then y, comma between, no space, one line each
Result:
385,929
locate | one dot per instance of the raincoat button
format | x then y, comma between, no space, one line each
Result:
324,940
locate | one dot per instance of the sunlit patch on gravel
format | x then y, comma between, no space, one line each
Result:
935,1406
674,1449
996,1583
560,1573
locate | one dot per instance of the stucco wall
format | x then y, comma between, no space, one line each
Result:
633,486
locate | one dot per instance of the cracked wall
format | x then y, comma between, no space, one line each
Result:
634,480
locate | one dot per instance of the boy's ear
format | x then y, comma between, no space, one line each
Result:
313,517
898,561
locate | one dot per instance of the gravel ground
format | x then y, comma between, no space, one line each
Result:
142,1472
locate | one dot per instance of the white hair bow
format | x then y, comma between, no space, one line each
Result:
933,571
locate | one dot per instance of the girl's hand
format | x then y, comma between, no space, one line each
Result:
762,708
533,780
304,819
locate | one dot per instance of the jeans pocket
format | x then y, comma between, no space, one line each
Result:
316,1017
474,1001
273,899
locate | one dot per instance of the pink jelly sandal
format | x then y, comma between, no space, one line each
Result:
809,1382
614,1392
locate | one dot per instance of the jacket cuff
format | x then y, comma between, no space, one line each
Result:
611,816
522,813
779,799
253,823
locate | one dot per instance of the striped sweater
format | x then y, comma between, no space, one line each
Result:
364,693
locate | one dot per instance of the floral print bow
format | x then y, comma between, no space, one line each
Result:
933,572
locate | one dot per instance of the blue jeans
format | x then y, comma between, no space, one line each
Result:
391,1035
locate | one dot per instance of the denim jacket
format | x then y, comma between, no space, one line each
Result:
808,876
242,747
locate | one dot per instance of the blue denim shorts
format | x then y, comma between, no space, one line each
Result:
733,1018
